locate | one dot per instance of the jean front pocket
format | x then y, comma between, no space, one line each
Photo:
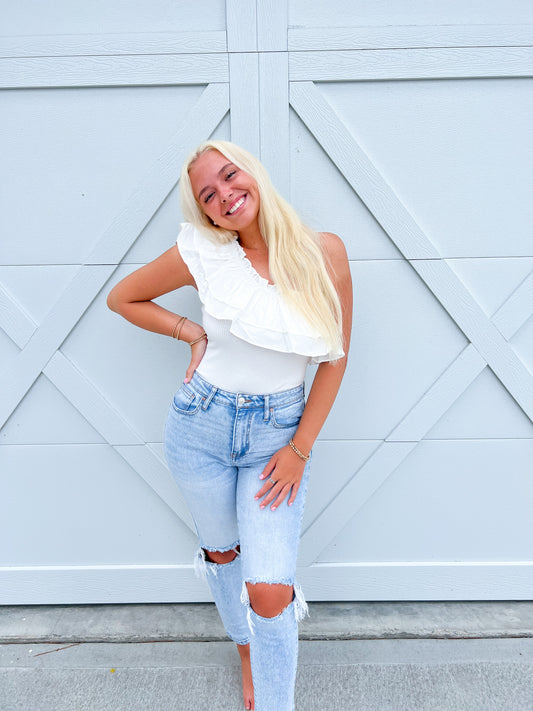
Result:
286,416
186,401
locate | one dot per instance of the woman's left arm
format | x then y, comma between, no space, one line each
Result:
285,469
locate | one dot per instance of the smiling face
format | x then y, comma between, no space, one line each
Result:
226,194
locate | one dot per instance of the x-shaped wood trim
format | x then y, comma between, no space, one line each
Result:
488,345
40,344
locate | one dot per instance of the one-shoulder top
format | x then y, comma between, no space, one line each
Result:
257,343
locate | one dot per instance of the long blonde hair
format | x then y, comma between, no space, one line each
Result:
296,259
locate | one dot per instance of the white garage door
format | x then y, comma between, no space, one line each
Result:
404,129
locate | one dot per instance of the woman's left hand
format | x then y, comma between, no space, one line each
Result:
283,475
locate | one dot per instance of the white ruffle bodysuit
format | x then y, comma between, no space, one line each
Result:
257,343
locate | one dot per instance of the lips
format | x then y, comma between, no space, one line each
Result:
236,205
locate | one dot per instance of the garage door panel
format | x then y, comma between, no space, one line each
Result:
426,508
36,288
484,411
334,462
327,202
493,281
428,183
342,13
88,149
32,18
424,137
45,416
98,511
402,342
162,230
128,364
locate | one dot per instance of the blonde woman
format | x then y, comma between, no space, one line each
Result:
275,297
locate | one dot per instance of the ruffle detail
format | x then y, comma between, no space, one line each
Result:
230,289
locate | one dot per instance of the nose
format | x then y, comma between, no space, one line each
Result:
228,196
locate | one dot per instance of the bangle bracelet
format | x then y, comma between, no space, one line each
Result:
305,457
177,328
197,340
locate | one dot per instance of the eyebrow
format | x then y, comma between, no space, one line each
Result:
207,187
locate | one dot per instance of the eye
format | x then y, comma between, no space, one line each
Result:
208,197
230,174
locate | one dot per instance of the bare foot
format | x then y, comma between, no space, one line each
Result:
247,683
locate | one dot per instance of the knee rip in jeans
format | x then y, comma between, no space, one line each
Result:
203,563
298,602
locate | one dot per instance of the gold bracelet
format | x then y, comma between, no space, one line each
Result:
177,328
197,340
305,457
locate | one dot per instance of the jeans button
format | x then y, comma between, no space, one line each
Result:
240,401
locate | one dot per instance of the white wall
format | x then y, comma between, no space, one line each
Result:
405,129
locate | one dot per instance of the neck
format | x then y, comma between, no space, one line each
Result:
251,238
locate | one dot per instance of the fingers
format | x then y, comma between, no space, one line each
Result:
281,480
275,491
197,353
267,471
190,371
295,488
281,496
266,488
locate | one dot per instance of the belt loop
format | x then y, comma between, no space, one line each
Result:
266,411
208,399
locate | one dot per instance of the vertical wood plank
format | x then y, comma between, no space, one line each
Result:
274,118
272,21
244,100
241,25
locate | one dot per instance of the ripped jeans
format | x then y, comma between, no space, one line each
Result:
217,444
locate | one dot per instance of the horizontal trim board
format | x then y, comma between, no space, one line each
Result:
5,262
110,44
418,581
409,36
145,70
390,64
52,585
123,448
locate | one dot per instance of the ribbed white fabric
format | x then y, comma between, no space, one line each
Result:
257,343
240,367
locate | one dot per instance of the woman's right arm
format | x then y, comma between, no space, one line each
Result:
132,299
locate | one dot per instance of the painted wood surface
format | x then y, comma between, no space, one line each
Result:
403,128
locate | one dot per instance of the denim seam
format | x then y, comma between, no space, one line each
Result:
239,641
187,412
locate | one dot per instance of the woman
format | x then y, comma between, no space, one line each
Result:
275,296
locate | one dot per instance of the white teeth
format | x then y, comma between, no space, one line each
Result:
236,206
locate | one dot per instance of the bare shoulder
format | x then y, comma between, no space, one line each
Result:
334,249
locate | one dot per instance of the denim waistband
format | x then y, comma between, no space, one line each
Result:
243,400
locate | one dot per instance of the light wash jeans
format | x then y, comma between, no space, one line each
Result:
217,444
